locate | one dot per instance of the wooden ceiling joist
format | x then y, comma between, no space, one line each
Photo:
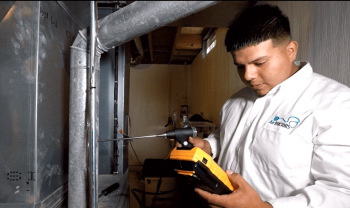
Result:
178,31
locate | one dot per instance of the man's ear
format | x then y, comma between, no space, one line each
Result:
292,49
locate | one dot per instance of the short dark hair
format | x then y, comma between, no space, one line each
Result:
257,24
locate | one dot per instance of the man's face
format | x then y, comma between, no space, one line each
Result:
263,66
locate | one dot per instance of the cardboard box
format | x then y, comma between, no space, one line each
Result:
169,200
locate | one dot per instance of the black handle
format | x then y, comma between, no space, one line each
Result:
110,189
181,135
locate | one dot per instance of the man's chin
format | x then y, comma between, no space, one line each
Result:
260,93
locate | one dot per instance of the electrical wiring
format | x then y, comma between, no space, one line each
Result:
135,153
129,132
133,191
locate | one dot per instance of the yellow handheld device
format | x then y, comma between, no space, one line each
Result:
198,164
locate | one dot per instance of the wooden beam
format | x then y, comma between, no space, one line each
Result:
185,53
189,42
150,43
192,30
175,41
161,51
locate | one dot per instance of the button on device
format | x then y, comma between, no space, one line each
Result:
204,160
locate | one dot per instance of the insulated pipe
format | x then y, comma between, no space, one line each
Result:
130,22
79,123
142,17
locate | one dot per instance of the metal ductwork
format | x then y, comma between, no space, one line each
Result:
126,24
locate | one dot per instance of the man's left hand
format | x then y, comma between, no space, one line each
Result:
243,195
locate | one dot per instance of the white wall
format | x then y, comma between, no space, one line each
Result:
322,31
212,80
155,92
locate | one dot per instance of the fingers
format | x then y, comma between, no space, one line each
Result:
229,172
213,199
236,180
178,144
193,141
197,142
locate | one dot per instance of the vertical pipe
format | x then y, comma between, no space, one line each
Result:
121,103
78,130
93,142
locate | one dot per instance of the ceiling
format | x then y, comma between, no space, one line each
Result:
181,41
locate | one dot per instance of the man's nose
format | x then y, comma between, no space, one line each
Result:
250,73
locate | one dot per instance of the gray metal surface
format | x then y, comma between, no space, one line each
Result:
79,10
78,138
93,146
106,117
18,80
142,17
34,98
107,66
71,14
118,198
123,104
78,134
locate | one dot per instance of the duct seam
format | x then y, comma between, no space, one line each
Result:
101,46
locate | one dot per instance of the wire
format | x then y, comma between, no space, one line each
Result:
129,125
157,192
139,52
133,191
129,132
135,153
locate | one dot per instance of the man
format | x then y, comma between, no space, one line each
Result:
284,139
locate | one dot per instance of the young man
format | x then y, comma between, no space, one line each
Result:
284,139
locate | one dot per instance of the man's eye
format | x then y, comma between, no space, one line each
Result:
259,64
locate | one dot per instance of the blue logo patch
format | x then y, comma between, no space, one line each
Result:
290,123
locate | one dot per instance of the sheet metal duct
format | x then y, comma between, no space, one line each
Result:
35,40
128,23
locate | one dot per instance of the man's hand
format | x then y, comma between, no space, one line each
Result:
200,143
243,195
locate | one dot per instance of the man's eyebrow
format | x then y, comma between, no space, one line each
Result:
235,63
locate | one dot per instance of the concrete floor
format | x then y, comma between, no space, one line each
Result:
118,198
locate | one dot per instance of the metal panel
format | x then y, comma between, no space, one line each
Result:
18,72
123,103
55,38
106,111
80,11
106,116
34,99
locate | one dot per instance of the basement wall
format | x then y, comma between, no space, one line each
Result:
156,90
322,30
212,80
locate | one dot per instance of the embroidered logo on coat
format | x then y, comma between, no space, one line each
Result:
290,123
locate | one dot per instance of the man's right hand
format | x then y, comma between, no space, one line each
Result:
200,143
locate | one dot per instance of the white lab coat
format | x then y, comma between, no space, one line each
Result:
292,145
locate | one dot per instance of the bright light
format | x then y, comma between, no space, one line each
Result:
212,45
